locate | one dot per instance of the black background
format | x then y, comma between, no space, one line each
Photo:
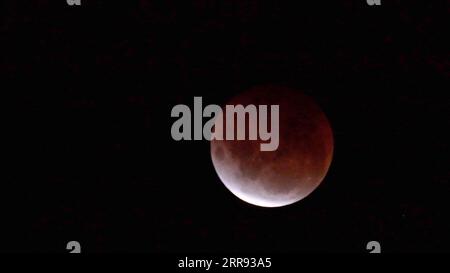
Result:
87,149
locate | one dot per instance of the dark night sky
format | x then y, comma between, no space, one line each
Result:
88,93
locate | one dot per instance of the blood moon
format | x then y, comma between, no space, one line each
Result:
295,169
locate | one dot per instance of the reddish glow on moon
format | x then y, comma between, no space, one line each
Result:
295,169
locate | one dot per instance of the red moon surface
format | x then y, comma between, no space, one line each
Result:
288,174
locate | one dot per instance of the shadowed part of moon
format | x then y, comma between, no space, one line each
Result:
295,169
